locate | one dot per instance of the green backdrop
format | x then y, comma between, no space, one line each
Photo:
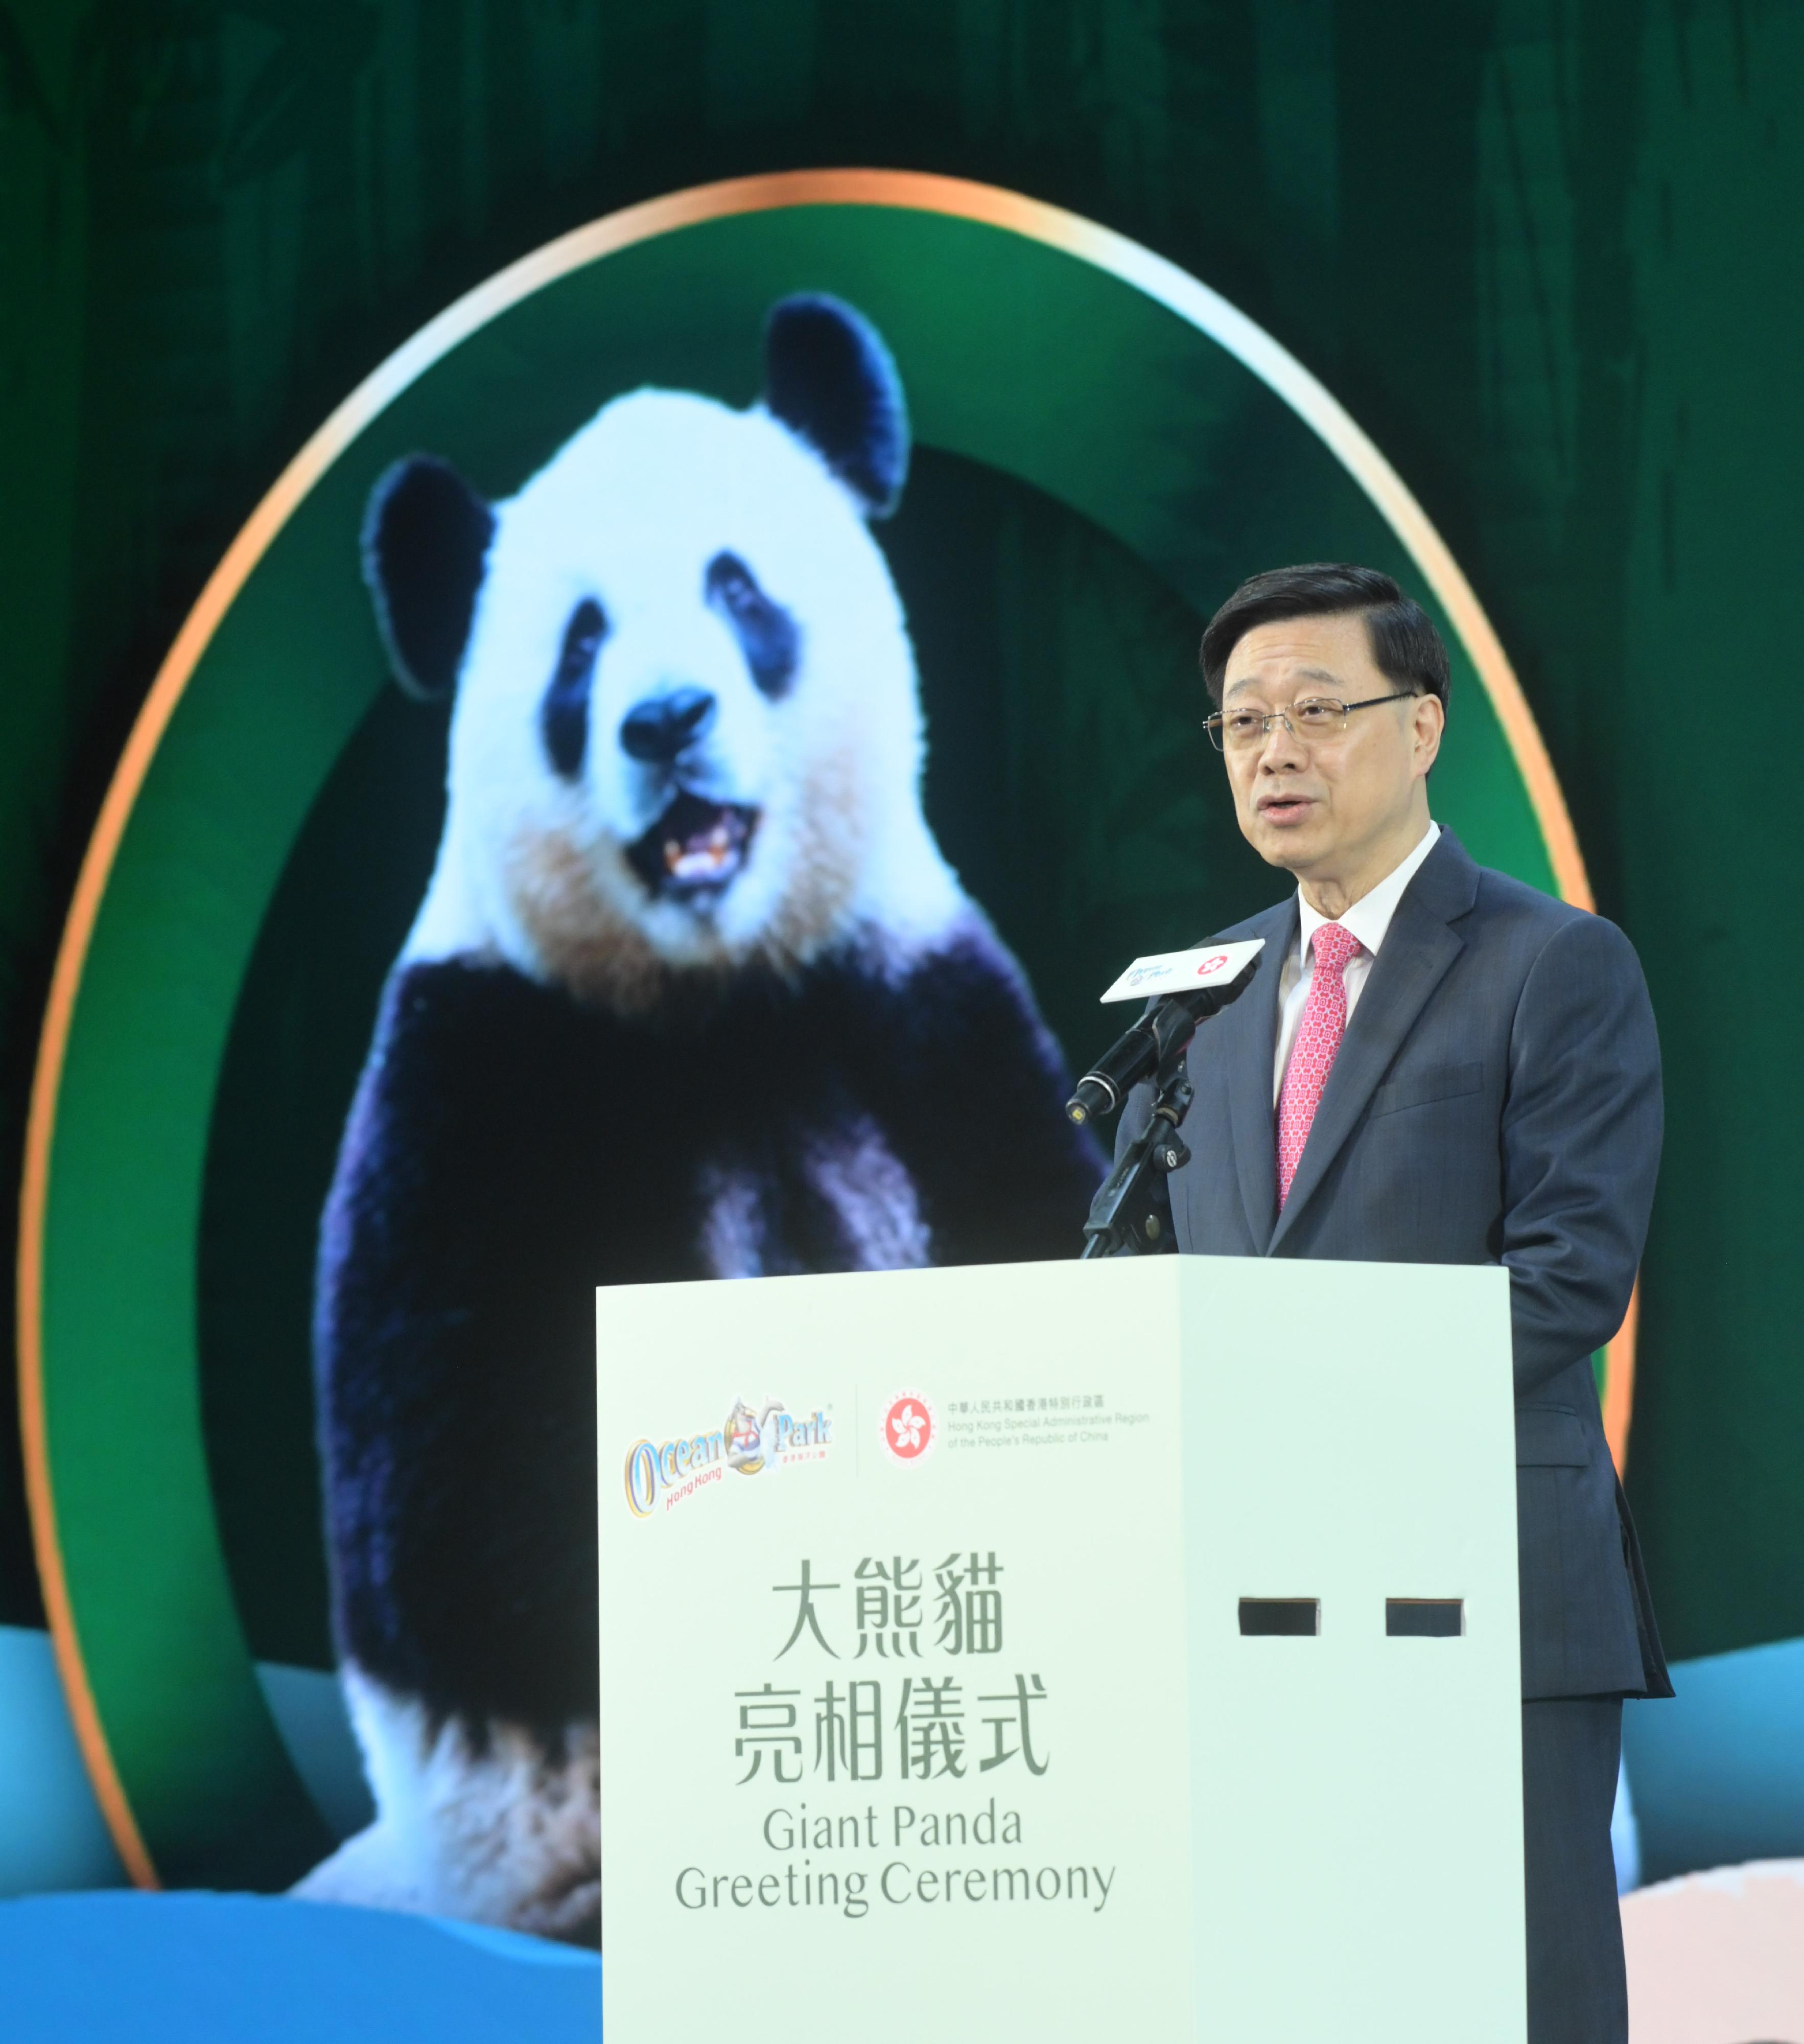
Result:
1089,468
1530,246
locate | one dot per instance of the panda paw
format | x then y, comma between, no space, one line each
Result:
499,1828
370,1871
378,1869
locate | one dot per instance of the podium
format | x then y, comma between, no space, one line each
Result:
1039,1650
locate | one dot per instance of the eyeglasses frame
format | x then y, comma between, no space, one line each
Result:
1212,725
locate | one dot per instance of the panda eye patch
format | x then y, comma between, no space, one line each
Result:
563,710
767,634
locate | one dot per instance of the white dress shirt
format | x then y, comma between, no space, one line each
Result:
1368,920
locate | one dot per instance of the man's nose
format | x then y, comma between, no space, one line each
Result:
1282,750
659,729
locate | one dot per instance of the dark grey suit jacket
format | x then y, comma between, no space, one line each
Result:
1496,1099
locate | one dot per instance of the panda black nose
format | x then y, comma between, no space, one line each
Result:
658,730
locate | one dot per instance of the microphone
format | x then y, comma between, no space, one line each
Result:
1187,988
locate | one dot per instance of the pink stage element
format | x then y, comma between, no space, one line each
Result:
1717,1957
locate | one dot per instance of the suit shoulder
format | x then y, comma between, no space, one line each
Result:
1505,900
1264,924
1500,894
1555,948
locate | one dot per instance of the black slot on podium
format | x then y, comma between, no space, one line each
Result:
1280,1618
1424,1618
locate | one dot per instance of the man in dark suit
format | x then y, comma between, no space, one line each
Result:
1437,1064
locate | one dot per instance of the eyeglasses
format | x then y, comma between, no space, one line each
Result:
1310,718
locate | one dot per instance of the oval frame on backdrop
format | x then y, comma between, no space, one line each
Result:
187,1764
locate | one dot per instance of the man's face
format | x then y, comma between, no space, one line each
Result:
1322,807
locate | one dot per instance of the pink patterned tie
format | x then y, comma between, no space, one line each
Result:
1312,1056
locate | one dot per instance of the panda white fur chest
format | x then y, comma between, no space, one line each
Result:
692,992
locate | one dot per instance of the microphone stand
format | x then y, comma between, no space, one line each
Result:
1131,1214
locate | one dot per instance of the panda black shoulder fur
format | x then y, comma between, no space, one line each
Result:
691,993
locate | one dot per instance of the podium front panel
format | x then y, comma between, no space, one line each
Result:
1018,1649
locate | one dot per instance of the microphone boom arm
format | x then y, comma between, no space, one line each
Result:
1130,1214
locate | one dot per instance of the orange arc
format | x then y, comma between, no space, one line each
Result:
918,191
1619,1383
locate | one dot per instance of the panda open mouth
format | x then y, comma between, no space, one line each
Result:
695,846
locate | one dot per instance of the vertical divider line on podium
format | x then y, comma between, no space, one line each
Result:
1356,1809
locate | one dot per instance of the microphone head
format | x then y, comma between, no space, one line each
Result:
1094,1096
1178,989
1204,969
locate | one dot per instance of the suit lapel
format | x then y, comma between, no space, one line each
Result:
1252,1031
1418,948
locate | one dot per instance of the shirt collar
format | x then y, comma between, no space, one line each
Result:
1370,916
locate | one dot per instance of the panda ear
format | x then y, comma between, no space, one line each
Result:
829,378
426,537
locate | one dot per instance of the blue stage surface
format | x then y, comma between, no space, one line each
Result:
192,1969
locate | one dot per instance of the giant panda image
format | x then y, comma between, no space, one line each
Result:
691,993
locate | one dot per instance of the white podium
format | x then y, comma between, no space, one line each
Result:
1045,1651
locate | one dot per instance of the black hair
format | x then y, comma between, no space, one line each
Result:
1406,648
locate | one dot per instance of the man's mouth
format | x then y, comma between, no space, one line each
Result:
696,846
1285,808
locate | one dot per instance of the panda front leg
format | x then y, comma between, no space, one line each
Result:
455,1347
963,1073
487,1794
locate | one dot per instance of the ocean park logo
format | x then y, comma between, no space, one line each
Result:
662,1475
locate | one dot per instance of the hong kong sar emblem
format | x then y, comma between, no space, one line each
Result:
910,1426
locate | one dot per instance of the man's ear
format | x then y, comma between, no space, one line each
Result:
1428,714
426,539
829,378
